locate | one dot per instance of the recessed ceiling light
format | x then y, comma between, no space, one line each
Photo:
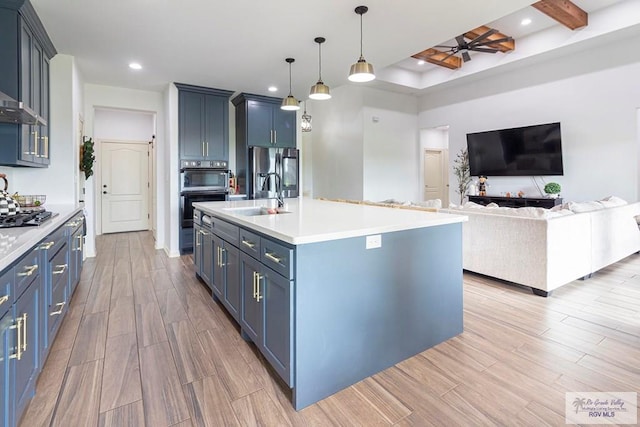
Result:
420,62
272,89
525,21
135,66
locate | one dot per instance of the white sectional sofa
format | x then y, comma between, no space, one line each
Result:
545,249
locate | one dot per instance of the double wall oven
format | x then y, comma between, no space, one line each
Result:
200,181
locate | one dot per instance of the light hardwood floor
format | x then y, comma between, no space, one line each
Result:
145,344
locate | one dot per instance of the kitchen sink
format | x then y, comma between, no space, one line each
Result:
256,211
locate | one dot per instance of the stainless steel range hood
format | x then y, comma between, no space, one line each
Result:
12,111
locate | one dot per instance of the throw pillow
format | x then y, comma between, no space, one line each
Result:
576,207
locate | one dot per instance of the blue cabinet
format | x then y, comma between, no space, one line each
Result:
25,358
261,122
24,67
203,123
76,232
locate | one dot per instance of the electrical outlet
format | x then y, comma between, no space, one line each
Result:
374,241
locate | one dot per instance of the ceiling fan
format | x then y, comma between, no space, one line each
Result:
482,43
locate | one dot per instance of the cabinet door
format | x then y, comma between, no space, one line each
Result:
7,342
25,370
232,294
259,123
284,125
250,318
215,125
207,257
217,279
43,141
276,340
27,132
191,128
197,249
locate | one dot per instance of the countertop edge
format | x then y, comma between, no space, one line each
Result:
29,237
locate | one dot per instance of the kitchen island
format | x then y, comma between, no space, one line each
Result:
332,293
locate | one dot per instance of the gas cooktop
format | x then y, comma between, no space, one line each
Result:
26,218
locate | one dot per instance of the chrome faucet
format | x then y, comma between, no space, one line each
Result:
279,192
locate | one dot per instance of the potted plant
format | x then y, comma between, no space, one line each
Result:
552,189
461,171
87,157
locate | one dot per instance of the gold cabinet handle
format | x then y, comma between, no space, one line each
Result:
24,331
258,278
202,148
47,245
80,241
221,252
272,257
59,311
46,147
18,326
35,144
28,271
62,268
248,243
207,150
254,284
4,299
72,224
275,136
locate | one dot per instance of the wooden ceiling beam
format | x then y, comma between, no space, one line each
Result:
505,46
563,11
437,57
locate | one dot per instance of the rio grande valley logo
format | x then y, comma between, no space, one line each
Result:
601,408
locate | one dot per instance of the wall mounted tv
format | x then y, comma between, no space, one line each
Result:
523,151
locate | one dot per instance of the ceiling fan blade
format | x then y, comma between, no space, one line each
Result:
488,42
484,36
484,49
446,57
466,57
460,40
441,45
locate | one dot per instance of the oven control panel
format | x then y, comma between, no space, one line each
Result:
208,164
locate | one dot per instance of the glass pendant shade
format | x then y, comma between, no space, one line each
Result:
319,91
306,122
361,71
290,103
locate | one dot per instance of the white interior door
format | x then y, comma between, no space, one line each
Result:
435,185
125,186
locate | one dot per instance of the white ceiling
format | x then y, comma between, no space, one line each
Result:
241,45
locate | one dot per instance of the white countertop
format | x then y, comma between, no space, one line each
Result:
313,220
15,242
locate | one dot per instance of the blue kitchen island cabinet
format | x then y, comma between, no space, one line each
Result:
334,293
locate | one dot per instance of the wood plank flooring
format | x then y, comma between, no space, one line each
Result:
145,344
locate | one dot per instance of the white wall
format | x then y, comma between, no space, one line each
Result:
59,181
101,97
596,108
365,145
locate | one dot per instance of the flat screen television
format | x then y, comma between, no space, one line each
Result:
523,151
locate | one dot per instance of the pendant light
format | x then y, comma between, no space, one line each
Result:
305,122
290,103
319,90
361,71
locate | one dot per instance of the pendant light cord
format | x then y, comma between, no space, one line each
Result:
320,61
361,35
290,79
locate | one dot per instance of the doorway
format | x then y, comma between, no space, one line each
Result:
124,186
436,184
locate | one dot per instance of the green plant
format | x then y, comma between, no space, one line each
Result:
461,171
552,188
87,157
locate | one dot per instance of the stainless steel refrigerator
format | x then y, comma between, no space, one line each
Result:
272,169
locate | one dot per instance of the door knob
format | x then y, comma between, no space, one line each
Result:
104,186
104,192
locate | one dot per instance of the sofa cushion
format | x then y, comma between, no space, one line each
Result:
526,212
612,202
579,207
